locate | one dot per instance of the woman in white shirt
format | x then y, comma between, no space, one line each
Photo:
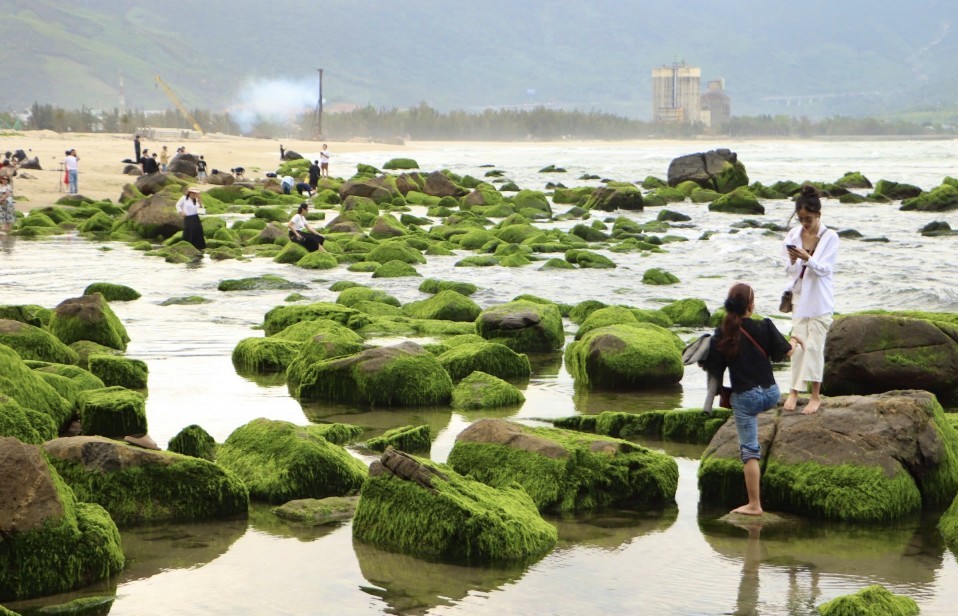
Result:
303,233
189,208
811,251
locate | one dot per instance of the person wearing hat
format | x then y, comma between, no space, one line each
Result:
189,207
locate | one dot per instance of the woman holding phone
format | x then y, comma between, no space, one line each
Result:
811,251
189,207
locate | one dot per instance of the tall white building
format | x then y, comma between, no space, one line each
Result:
676,93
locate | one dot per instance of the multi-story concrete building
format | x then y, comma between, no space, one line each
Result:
716,106
677,97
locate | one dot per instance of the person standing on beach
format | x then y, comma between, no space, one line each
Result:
71,164
282,152
324,162
201,169
136,147
746,348
811,250
8,209
164,159
189,208
314,174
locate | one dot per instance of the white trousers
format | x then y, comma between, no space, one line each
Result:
808,361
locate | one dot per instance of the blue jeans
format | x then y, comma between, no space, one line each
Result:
72,176
745,408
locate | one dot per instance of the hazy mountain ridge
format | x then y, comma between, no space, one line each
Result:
816,59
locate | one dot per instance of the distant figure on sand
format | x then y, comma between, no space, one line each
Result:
164,158
811,251
148,163
201,169
324,162
189,208
71,164
303,233
8,209
136,147
282,152
746,348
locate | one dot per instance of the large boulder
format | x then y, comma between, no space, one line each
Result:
484,391
154,216
719,170
34,343
859,459
88,318
563,470
280,461
49,542
738,201
154,183
437,184
523,326
25,424
220,179
416,507
394,376
30,390
489,357
872,353
446,305
609,199
113,412
184,164
141,486
626,357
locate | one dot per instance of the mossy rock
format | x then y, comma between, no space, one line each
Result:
680,425
25,424
563,470
626,357
264,355
291,253
280,461
656,317
318,511
894,191
875,600
739,201
589,259
853,179
185,300
113,412
491,358
150,486
88,318
395,251
396,376
480,390
363,267
689,312
943,198
395,269
478,261
444,516
523,326
31,314
318,260
76,544
445,305
658,276
433,285
195,442
281,317
550,264
29,390
411,439
604,316
401,163
354,295
112,292
610,199
119,371
33,343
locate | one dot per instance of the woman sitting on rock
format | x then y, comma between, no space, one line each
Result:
747,347
303,233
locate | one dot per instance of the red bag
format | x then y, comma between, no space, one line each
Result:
725,397
66,177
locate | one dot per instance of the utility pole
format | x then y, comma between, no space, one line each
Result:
319,108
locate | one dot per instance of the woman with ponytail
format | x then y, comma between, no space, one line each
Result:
747,348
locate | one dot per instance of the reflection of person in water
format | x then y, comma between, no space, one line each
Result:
747,601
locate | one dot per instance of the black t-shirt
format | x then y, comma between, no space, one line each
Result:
201,165
750,368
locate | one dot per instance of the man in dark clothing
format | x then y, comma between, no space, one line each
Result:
149,164
314,174
136,147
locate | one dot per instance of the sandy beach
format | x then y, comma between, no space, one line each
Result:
101,159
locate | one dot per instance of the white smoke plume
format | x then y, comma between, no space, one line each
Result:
273,100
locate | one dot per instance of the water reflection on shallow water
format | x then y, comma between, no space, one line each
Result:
676,562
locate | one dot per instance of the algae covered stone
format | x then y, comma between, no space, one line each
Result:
112,292
485,391
411,439
56,542
140,486
280,461
122,371
34,343
416,507
19,382
875,600
629,357
523,326
563,470
114,412
264,355
88,318
194,441
446,305
25,424
489,357
689,312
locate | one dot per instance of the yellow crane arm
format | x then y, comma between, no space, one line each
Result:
179,104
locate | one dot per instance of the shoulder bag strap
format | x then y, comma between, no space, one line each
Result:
757,345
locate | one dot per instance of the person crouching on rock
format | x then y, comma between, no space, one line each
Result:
189,208
302,233
747,347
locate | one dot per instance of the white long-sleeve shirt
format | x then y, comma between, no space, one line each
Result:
816,288
187,207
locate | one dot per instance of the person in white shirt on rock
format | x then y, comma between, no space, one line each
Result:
811,251
303,233
189,207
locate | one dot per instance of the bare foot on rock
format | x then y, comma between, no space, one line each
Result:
748,510
812,406
791,402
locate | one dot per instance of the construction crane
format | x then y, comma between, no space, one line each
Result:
179,104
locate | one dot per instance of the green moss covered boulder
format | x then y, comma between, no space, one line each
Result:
395,376
264,355
739,201
563,470
395,269
416,507
122,371
626,357
942,198
280,461
194,441
680,425
859,459
31,314
411,439
34,343
25,424
875,600
112,292
88,318
523,326
113,412
447,305
30,390
266,282
689,312
52,542
609,199
401,163
143,486
489,357
658,276
433,285
281,317
485,391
